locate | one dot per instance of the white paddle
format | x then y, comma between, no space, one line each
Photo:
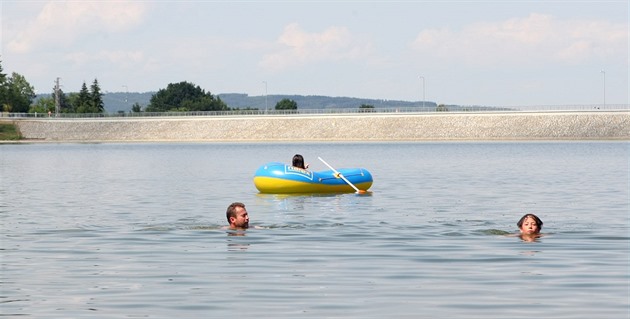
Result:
359,191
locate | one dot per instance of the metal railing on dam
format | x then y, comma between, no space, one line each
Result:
328,111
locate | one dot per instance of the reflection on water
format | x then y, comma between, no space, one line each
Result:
138,230
237,245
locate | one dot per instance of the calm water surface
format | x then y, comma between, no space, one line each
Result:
133,231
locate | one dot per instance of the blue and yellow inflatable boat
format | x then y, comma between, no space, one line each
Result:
280,178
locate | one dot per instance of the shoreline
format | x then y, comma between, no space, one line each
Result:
364,127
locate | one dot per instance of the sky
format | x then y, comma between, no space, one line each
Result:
492,53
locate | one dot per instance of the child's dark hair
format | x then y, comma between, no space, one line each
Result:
298,161
538,221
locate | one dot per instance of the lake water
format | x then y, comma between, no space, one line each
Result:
133,231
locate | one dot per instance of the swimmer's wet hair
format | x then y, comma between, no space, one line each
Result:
231,210
538,221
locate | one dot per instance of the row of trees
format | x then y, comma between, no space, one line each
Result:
187,97
86,101
17,95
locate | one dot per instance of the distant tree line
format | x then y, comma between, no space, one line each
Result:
86,101
17,96
187,97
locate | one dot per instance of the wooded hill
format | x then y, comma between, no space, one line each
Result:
122,101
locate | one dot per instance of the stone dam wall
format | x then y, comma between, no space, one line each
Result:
589,125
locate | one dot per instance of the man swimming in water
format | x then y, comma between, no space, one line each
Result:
237,216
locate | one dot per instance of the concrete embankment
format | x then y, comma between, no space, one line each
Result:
591,125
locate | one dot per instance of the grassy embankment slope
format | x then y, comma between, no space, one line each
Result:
9,132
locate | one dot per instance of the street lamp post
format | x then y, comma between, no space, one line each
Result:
423,91
604,79
265,96
126,94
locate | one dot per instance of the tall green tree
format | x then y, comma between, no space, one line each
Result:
183,97
3,88
286,104
82,102
18,94
3,77
96,98
88,101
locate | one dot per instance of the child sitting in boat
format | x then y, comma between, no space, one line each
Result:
298,161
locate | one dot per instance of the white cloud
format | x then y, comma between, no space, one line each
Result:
299,47
593,39
535,39
63,22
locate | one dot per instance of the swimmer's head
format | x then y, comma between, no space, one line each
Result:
529,224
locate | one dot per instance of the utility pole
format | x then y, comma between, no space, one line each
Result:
126,94
423,91
604,73
57,97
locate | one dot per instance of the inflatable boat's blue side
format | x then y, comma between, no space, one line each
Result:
280,178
